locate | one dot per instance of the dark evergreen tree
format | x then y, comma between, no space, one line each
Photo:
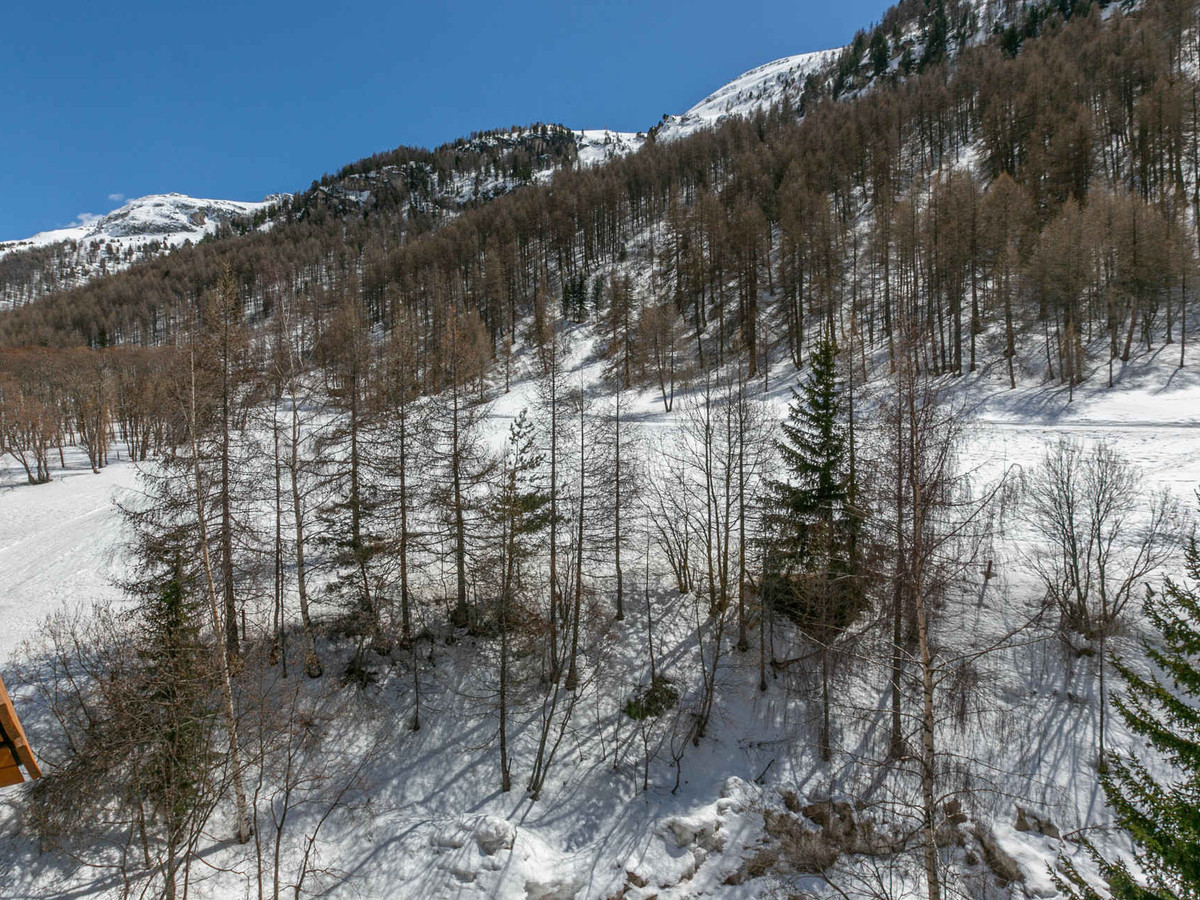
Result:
813,523
1010,40
1161,816
153,739
936,36
173,700
880,52
574,299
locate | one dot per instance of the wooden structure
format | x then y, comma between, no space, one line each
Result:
15,753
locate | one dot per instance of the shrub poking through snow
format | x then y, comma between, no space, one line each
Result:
652,700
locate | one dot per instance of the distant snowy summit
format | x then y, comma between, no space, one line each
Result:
759,88
166,214
751,91
139,230
167,218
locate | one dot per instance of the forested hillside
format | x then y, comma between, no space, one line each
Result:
420,187
751,513
1005,198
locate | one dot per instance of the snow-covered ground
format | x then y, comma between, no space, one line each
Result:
60,543
436,825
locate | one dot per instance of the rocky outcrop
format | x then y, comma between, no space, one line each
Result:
1029,821
996,858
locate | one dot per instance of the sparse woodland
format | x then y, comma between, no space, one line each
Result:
329,513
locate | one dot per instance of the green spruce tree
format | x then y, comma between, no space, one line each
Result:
812,571
936,37
880,52
173,700
1162,816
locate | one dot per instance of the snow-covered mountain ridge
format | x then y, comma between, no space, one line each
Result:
758,88
139,230
170,218
158,223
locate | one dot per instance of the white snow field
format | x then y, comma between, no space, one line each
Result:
428,819
60,543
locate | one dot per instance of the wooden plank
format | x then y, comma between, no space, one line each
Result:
10,724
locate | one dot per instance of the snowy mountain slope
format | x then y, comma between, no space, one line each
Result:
168,218
138,230
757,89
600,145
156,224
432,822
171,219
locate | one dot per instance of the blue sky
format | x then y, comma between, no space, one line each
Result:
100,101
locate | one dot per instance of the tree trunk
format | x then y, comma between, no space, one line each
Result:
230,714
227,585
312,662
461,615
617,514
